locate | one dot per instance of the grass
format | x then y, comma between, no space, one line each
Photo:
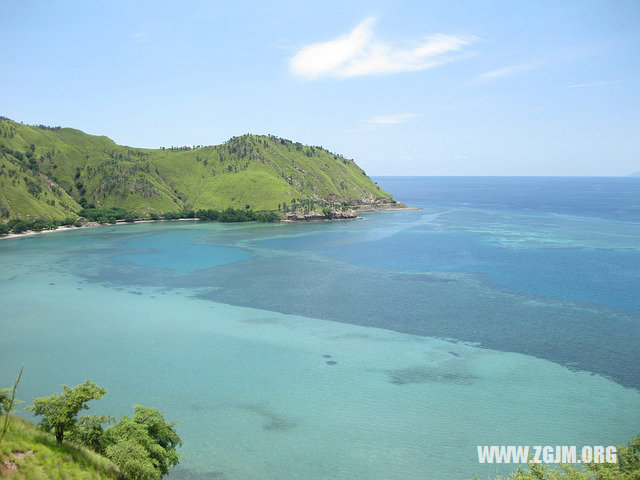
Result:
49,460
48,172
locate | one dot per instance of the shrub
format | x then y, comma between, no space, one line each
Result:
60,411
143,446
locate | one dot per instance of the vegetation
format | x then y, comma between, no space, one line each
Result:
7,402
18,225
140,447
104,215
143,446
236,215
28,452
36,455
89,431
113,215
53,173
60,411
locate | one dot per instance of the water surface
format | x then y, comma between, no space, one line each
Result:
502,312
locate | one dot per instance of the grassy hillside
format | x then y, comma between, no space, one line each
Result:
28,452
51,172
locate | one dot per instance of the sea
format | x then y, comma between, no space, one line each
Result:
499,311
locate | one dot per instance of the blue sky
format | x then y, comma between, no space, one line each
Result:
404,88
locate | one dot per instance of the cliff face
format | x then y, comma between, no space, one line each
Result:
52,172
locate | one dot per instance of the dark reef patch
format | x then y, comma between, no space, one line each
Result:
464,307
261,321
273,421
196,407
354,336
426,374
423,277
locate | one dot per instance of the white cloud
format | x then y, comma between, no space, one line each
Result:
503,72
357,53
379,121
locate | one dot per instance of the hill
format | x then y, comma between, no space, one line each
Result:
28,452
53,172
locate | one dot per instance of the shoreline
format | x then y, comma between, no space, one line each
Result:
390,209
293,219
61,228
339,214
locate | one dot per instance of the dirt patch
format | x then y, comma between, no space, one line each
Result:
21,455
7,466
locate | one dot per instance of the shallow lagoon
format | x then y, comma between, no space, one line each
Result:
450,327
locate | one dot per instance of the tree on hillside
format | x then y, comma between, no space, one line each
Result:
60,411
143,446
89,431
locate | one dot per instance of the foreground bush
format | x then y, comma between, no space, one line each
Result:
143,446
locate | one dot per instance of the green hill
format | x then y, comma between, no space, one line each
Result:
52,172
28,452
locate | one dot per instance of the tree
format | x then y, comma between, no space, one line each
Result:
88,431
17,225
133,460
146,439
5,400
60,411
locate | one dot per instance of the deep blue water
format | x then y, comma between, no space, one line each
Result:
580,272
614,198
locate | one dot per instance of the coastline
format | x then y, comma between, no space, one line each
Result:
386,207
351,214
338,214
29,233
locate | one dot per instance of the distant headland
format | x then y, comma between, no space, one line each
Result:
53,176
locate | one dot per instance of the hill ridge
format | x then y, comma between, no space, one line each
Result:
53,172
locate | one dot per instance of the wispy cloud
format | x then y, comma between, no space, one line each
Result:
505,71
379,121
140,38
594,84
357,53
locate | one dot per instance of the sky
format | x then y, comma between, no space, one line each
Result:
402,87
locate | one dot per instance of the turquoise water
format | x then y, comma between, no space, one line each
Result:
482,319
